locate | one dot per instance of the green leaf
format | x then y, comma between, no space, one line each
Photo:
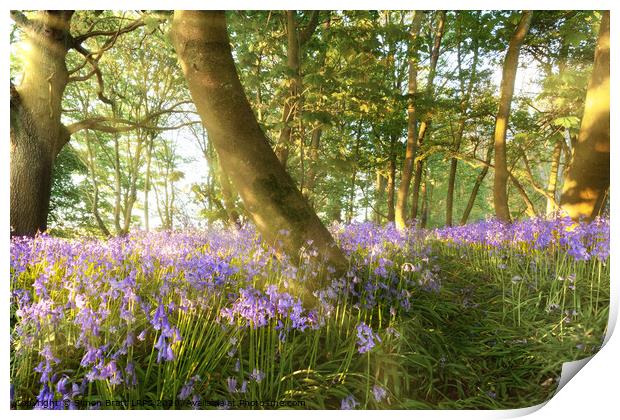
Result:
567,122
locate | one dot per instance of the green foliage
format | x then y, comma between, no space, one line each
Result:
67,211
354,70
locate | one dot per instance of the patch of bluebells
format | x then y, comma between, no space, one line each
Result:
583,241
115,296
366,338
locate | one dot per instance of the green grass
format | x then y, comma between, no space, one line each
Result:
484,341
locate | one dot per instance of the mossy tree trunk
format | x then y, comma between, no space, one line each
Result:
37,134
281,214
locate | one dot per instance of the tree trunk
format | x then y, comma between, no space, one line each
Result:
351,208
315,142
553,177
426,200
290,104
294,103
229,200
380,186
477,184
134,172
36,133
587,180
530,209
452,176
417,179
500,193
117,186
439,31
412,144
466,97
391,180
147,181
95,202
277,207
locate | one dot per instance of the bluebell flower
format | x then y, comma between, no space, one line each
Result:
379,393
231,383
188,388
366,338
348,403
257,375
45,399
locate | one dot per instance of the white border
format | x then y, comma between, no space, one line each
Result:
592,393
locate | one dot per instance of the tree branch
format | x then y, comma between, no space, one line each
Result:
113,33
20,19
304,36
96,71
108,124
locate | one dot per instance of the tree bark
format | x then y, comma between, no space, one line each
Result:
500,193
587,179
277,207
412,144
36,133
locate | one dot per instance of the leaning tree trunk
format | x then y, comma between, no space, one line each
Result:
37,134
412,144
587,180
500,192
277,207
